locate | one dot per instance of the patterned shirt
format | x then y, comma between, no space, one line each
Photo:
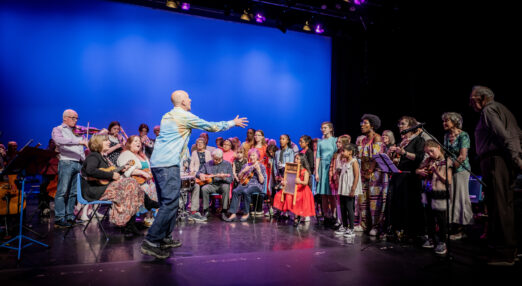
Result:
462,141
176,127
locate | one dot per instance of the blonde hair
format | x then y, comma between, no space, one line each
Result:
329,124
96,142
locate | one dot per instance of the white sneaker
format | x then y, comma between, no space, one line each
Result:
358,229
340,231
307,219
373,232
349,233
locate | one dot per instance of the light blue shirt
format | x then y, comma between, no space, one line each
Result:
175,129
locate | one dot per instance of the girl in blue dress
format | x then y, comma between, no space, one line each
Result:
326,147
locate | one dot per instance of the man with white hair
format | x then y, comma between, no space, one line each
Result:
71,149
169,151
217,177
497,142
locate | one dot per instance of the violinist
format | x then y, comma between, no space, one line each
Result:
117,142
71,149
146,142
404,210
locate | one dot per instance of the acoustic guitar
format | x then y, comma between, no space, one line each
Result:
112,169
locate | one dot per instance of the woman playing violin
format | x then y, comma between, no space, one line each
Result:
116,142
125,193
252,177
141,172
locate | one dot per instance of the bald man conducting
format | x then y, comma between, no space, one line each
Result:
170,147
71,148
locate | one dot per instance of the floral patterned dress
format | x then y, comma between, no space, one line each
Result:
374,185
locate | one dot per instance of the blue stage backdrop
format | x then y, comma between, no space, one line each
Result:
116,61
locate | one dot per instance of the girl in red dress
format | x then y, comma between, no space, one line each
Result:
304,203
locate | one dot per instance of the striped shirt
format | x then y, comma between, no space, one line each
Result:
175,129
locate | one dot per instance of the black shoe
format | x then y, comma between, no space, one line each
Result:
72,222
224,217
149,249
168,242
62,224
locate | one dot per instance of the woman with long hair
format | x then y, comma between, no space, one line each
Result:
326,148
141,172
117,142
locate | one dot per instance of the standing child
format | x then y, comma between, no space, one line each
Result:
350,186
435,171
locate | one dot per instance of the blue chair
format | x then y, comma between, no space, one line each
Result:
84,203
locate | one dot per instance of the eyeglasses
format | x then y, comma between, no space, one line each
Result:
73,117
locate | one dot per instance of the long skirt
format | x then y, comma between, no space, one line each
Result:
126,196
373,200
461,205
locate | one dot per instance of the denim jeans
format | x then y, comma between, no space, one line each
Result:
67,181
168,184
246,191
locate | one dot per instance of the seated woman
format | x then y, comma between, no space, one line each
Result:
200,156
125,193
304,202
252,177
141,172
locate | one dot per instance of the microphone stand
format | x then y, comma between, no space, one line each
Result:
449,155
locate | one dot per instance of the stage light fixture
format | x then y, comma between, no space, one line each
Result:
245,16
260,18
185,6
319,29
358,2
306,27
171,4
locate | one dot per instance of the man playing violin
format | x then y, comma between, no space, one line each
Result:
216,177
71,149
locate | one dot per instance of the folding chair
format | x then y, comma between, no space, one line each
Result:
85,203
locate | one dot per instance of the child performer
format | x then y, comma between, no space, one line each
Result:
350,186
304,205
435,171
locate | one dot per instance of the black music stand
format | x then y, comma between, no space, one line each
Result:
29,161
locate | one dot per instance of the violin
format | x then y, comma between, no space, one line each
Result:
82,130
247,174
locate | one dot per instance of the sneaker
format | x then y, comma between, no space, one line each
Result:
197,218
168,242
149,248
428,244
340,231
358,229
62,224
307,219
206,213
441,248
373,232
349,233
456,236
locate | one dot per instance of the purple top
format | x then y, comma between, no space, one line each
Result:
68,144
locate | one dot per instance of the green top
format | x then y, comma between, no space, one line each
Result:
462,141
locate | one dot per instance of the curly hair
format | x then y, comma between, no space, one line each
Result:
454,117
374,120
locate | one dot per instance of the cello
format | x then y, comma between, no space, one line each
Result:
10,197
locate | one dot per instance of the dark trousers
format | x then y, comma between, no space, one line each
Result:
436,218
168,184
404,208
246,192
499,178
347,210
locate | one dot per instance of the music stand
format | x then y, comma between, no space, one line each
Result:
386,164
29,161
